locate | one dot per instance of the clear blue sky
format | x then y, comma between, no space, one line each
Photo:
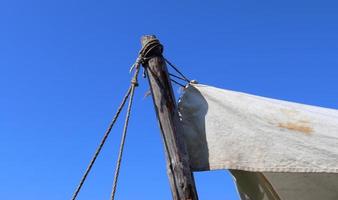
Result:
64,68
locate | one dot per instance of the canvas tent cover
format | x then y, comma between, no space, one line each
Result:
275,149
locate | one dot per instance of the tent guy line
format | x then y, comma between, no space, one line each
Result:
148,47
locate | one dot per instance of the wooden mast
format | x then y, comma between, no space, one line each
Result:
180,176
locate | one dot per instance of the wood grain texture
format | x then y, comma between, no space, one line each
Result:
180,176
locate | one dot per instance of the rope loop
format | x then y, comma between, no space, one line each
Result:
144,56
149,47
152,48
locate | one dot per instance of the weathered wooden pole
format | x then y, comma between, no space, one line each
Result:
180,176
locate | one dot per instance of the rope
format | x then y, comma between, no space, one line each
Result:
177,70
177,83
98,150
140,59
173,75
148,47
124,134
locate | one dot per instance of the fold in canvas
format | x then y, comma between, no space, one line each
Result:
231,130
274,149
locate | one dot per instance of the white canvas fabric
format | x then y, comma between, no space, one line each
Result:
286,186
281,140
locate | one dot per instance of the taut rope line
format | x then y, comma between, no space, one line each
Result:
98,150
142,57
178,71
134,83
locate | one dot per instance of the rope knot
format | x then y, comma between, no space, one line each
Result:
134,81
138,62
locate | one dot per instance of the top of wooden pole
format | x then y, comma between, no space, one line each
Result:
145,39
178,169
151,46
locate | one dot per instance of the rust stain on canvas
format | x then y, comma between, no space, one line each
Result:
301,126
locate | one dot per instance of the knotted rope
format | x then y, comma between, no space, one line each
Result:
141,59
148,47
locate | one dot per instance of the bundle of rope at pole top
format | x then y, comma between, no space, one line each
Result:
154,48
